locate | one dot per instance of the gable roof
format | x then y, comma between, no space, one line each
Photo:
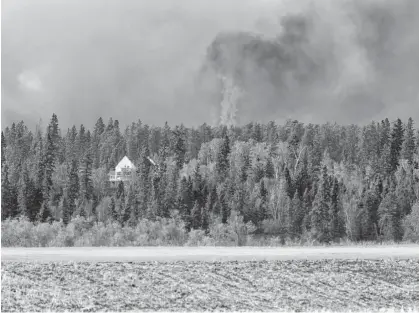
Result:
125,162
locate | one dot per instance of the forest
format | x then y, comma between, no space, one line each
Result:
293,182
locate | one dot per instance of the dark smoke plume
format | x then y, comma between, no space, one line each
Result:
315,61
319,70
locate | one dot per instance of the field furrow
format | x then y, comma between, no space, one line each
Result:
302,285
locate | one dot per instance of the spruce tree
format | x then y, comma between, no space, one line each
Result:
112,209
334,212
86,183
179,146
222,162
297,216
263,194
65,211
408,147
320,217
6,194
390,217
196,217
396,144
269,169
3,149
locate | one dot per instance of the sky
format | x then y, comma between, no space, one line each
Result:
140,59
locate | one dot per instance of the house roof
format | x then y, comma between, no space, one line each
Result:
125,162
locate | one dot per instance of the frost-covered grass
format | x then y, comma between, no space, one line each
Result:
298,285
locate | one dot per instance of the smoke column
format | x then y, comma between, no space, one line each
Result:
231,95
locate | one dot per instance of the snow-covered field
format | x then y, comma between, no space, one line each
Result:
143,254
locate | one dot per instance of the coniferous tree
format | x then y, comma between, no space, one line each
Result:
45,213
320,217
112,209
196,216
24,193
306,202
3,149
198,187
49,167
396,144
179,146
86,183
65,211
72,187
390,217
222,164
269,169
408,147
297,216
6,193
263,194
334,212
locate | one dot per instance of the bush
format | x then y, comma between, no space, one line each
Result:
234,233
198,238
411,225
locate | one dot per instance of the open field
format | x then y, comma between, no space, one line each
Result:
298,285
143,254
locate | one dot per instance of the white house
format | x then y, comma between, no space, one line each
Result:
123,171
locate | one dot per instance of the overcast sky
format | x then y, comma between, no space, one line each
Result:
132,59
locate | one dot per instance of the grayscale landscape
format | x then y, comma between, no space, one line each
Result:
197,155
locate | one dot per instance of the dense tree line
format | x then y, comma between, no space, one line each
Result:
322,182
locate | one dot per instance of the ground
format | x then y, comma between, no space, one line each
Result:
348,279
138,254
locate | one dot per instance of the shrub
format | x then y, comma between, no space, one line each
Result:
411,225
197,237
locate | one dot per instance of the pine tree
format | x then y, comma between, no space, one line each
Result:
306,209
263,194
179,146
408,147
320,217
130,211
405,192
23,193
66,211
70,144
196,217
86,183
269,169
297,216
224,210
185,204
396,144
49,167
6,194
334,212
112,209
390,218
290,186
72,187
198,186
45,215
222,164
245,168
98,130
3,149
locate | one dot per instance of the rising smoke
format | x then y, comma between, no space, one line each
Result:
209,61
353,64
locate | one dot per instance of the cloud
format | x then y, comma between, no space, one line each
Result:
142,59
30,81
